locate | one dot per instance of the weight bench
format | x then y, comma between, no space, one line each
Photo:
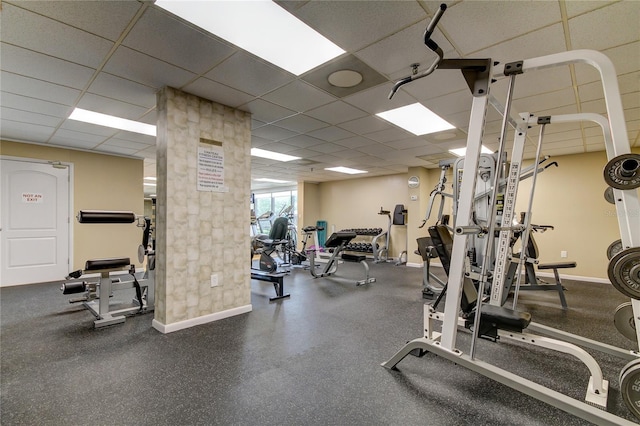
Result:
277,278
428,252
338,241
531,280
558,285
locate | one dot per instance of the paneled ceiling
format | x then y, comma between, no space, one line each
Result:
113,56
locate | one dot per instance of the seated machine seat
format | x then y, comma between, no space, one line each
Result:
348,257
558,265
107,263
501,318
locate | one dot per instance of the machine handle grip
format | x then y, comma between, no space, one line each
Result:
432,26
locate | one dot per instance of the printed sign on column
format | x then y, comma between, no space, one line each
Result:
211,169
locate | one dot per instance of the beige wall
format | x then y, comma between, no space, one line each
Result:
100,182
355,203
569,197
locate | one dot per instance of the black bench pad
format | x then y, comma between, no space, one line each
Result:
558,265
503,318
110,263
353,257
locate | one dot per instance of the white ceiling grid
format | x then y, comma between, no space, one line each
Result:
113,56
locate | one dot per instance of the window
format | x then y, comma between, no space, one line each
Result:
283,203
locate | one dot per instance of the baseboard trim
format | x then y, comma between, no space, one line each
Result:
538,273
181,325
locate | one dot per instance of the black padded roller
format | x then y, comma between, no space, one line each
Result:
72,288
105,216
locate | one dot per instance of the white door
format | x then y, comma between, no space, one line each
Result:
34,222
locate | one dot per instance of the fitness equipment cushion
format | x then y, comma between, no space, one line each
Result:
352,257
105,216
502,318
339,237
110,263
558,265
398,214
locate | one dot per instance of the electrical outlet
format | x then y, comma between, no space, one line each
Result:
563,253
214,280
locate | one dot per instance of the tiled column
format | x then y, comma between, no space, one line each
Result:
200,234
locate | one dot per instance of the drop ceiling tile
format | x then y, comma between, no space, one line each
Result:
327,148
113,87
30,87
541,103
249,74
43,67
389,135
27,132
273,133
625,60
347,154
299,96
115,149
123,143
336,113
377,100
326,159
354,142
35,105
452,103
76,139
266,111
161,35
624,14
440,83
62,41
575,8
396,53
407,143
136,137
331,134
376,149
302,141
20,116
258,142
301,123
110,106
144,69
366,125
475,25
282,148
305,153
355,24
89,129
545,41
216,92
103,18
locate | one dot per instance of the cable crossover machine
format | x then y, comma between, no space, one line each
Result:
493,320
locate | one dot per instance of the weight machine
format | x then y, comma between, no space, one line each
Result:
622,173
96,295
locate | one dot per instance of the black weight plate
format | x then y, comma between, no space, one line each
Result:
614,248
624,272
608,195
623,320
614,172
630,386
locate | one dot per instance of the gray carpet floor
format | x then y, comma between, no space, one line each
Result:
312,359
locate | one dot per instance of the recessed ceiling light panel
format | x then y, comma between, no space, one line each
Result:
260,27
106,120
460,152
262,153
417,119
346,170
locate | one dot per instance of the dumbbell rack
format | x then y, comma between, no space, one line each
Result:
363,247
